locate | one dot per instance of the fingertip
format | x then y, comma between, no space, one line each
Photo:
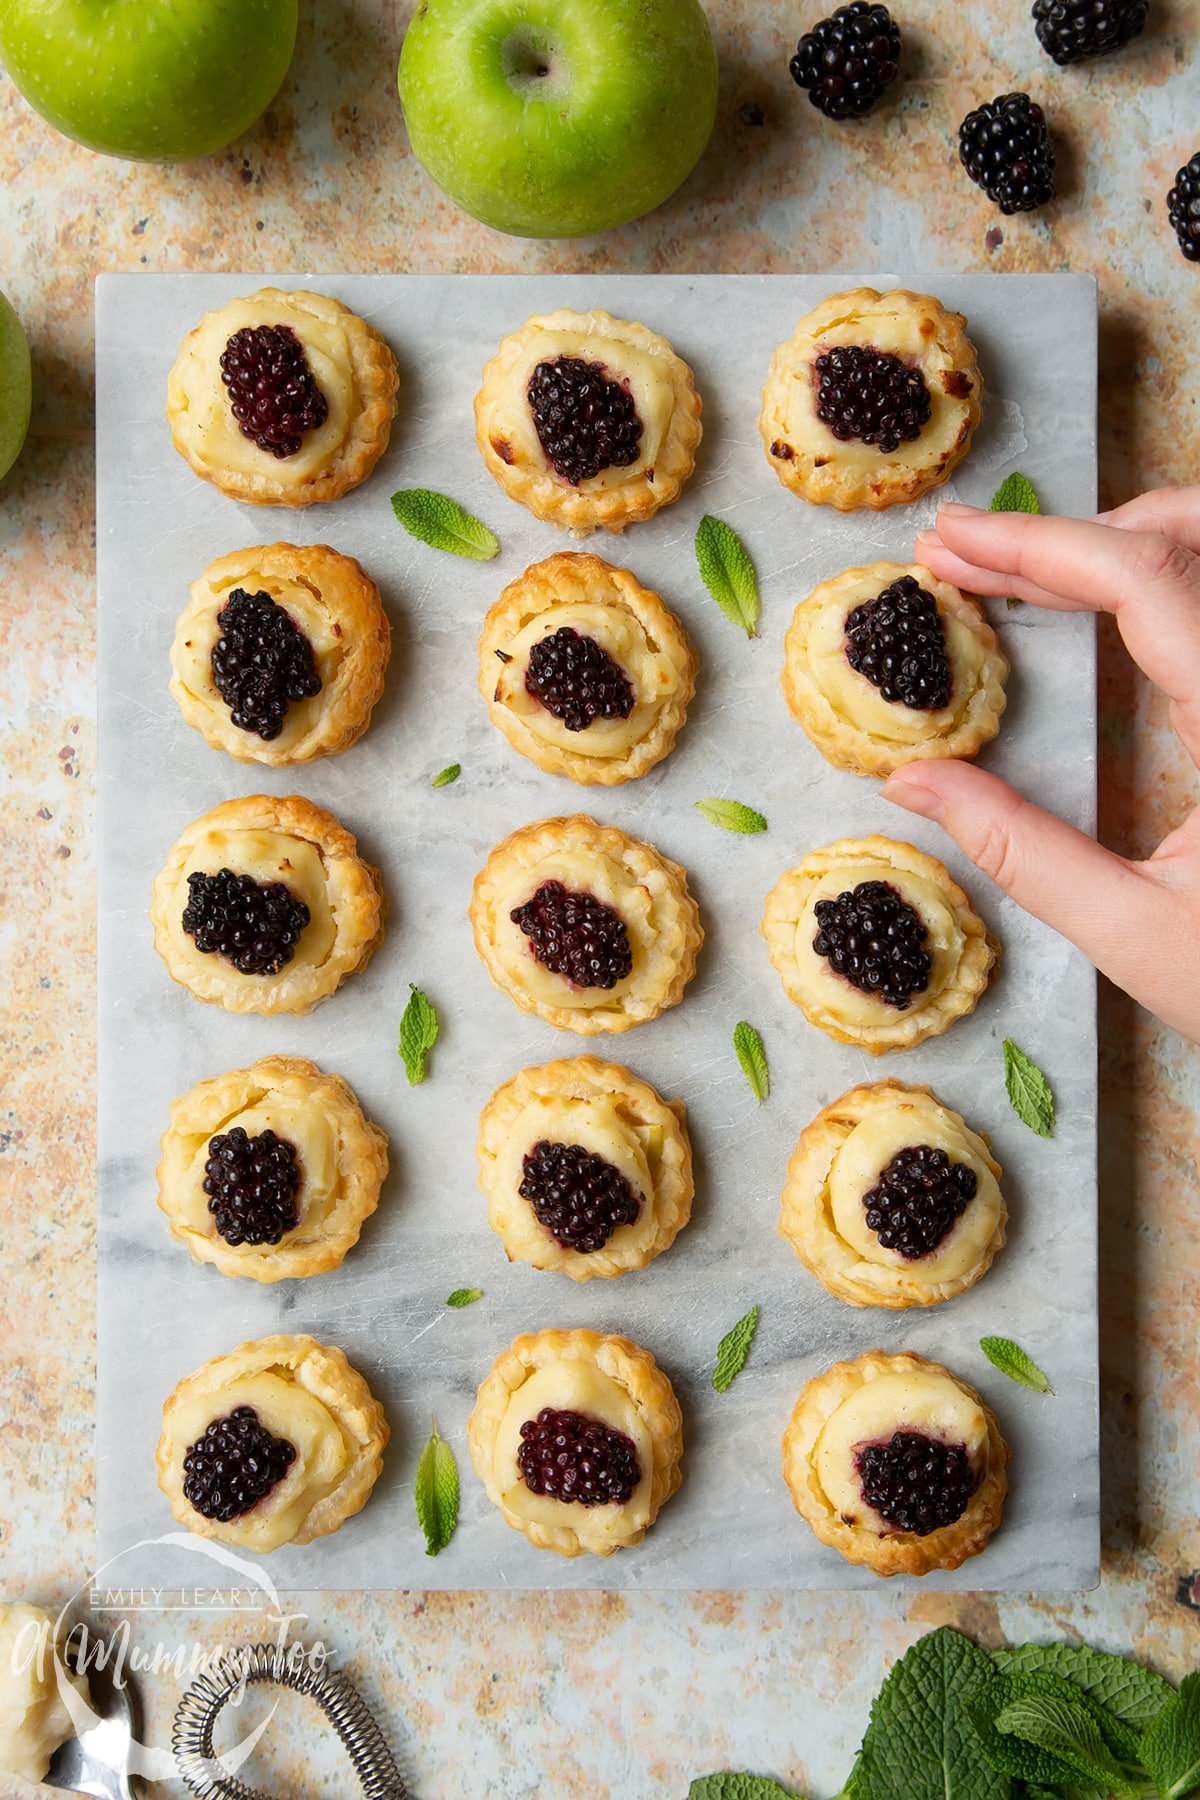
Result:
911,788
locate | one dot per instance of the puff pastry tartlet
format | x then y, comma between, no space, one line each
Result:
585,671
39,1691
264,905
588,420
877,944
281,653
892,1200
585,1169
270,1171
578,1439
872,401
887,665
864,1443
279,1442
584,926
280,399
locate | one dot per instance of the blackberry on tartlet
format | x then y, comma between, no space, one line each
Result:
1005,148
1070,31
1183,208
846,61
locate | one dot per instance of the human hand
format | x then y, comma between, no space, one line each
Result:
1139,922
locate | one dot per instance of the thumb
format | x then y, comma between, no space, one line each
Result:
1054,871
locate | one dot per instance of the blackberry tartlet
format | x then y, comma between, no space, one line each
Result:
578,1439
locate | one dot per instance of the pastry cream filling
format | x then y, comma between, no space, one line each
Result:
869,1148
34,1719
584,871
638,370
575,1387
205,398
620,633
860,702
918,1401
287,1410
844,1002
192,657
599,1125
266,856
290,1117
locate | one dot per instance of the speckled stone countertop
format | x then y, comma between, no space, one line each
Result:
562,1696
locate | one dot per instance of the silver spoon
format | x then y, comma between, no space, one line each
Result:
97,1761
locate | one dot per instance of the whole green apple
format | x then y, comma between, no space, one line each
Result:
556,118
16,386
158,80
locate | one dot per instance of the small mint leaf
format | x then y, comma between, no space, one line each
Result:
445,525
733,1350
435,1493
1064,1727
753,1058
1016,493
464,1297
418,1034
1029,1093
731,815
1014,1362
1127,1692
446,776
727,572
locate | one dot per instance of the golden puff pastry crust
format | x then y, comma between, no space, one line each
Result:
647,891
963,951
352,366
847,717
862,1402
304,1392
837,1162
610,1113
605,1378
341,1156
631,624
919,331
663,390
273,840
333,602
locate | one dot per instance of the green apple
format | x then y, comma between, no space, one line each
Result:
16,386
159,80
557,118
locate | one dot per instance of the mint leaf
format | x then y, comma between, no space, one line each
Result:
733,1350
1029,1092
1012,1361
435,1492
738,1787
1170,1748
445,776
1125,1690
921,1743
1016,493
1065,1728
418,1034
441,522
753,1058
464,1297
727,572
731,815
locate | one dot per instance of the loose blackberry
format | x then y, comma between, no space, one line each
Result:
876,940
1006,150
870,395
847,60
252,1183
576,679
1070,30
254,928
272,391
918,1199
576,935
569,1456
584,421
897,641
916,1483
576,1196
260,662
1183,208
234,1465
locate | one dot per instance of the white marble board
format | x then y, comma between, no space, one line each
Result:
732,1525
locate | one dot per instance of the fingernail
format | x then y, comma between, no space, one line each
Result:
914,797
956,510
931,537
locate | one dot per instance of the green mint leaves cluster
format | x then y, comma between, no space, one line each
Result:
1040,1722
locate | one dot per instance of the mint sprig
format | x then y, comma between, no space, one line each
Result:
727,572
1170,1748
921,1743
753,1058
418,1034
445,777
435,1493
1029,1093
442,523
731,815
1014,1362
733,1350
464,1297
